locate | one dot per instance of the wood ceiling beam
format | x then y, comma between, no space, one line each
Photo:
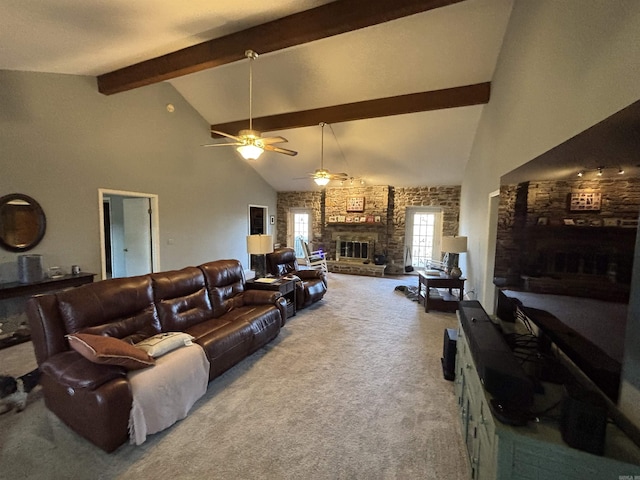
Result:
321,22
477,94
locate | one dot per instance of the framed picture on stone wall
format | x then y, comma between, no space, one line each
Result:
355,204
585,201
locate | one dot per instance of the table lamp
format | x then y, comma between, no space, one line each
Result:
259,245
452,248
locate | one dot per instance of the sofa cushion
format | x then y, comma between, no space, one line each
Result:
163,343
110,351
181,298
131,329
118,307
225,281
224,341
282,262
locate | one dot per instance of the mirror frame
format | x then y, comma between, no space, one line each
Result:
42,222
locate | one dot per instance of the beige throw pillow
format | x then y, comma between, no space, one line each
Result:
162,343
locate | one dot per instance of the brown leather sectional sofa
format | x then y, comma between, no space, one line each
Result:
208,302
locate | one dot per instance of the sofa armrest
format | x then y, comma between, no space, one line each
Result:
310,274
260,297
267,297
73,370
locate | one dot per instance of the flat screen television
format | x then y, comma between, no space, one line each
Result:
565,245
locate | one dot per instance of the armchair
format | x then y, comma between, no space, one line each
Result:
312,284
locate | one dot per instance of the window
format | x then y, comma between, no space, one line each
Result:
422,236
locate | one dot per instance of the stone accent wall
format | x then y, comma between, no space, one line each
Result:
386,202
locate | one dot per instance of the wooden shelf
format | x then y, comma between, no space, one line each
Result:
17,289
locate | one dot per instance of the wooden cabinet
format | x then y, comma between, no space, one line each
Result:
536,451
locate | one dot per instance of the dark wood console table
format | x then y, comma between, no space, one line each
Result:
448,301
17,289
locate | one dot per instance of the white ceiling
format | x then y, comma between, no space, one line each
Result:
447,47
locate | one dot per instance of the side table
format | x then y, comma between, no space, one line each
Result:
285,286
448,301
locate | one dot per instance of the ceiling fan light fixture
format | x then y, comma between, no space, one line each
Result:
322,181
250,151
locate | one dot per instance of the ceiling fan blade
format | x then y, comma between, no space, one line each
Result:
223,144
339,176
238,139
270,140
271,148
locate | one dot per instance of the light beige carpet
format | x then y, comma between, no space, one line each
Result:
352,388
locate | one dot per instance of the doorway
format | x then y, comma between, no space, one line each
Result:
422,236
489,290
299,229
258,215
128,233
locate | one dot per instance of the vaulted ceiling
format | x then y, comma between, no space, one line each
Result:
401,83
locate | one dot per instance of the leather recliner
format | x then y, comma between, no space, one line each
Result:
312,284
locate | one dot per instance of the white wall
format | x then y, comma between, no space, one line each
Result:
564,66
61,140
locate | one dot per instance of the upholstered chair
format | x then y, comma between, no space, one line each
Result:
311,285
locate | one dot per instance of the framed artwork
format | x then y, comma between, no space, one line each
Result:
585,201
355,204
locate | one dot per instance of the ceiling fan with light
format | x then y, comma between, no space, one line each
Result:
322,176
250,143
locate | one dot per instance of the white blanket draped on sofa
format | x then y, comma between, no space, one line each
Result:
164,393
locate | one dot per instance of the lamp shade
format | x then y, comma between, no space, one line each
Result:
454,244
259,244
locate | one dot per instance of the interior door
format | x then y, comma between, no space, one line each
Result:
137,236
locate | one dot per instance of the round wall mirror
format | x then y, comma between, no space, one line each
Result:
22,222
